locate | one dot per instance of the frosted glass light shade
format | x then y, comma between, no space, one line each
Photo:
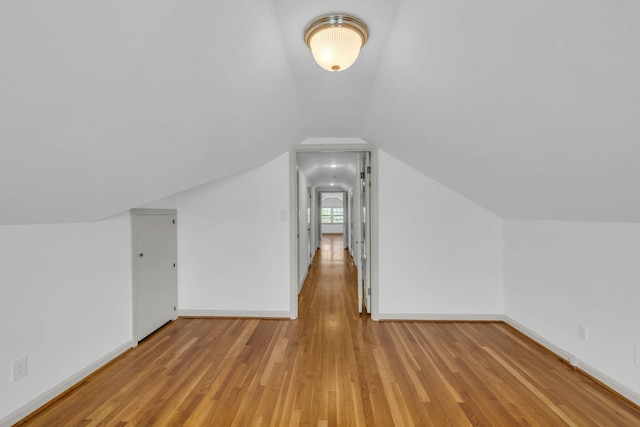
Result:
335,41
335,48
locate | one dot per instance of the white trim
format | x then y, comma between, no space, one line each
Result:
333,141
293,235
574,361
55,391
374,262
442,317
311,145
235,313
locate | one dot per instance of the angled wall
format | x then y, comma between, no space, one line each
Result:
233,244
559,275
66,305
440,254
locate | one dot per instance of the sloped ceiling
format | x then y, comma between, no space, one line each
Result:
329,170
530,109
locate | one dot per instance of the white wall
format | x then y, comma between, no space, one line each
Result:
332,228
66,302
440,254
164,203
560,274
233,244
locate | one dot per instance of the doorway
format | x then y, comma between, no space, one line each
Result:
352,171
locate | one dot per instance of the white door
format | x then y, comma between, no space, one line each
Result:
318,221
345,220
155,281
364,209
352,237
310,249
357,219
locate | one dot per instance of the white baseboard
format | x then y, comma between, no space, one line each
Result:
442,317
55,391
574,361
235,313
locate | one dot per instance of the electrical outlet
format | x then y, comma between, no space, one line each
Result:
583,332
637,354
19,368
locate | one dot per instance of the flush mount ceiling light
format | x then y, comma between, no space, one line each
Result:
335,40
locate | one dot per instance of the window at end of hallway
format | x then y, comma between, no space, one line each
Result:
332,215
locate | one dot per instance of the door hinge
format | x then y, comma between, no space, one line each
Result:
361,175
174,265
174,221
368,169
174,308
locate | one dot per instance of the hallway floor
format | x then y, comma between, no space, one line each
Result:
334,367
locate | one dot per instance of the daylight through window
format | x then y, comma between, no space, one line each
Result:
332,215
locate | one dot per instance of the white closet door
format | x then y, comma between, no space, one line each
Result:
155,281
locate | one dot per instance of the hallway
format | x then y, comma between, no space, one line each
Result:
330,288
333,367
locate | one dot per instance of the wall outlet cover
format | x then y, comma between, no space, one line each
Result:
19,368
583,332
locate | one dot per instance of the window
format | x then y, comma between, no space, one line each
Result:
332,215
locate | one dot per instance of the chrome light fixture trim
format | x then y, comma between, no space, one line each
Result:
335,40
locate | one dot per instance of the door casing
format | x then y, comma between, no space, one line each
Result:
293,224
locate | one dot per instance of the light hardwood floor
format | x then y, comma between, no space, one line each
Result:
334,367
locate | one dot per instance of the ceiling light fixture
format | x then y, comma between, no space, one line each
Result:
335,40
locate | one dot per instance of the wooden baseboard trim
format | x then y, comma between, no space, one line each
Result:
604,380
65,387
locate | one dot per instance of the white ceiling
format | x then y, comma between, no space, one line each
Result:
329,170
531,109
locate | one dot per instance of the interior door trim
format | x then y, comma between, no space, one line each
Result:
293,223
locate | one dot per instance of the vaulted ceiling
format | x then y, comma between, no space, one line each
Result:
530,109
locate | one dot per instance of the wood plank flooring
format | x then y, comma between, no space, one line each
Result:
333,367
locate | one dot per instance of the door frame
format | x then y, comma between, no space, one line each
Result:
322,191
134,280
293,223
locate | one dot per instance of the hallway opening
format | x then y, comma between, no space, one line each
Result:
333,189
